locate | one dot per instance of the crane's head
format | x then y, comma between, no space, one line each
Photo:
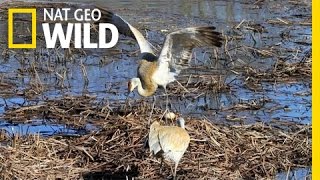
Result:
133,83
180,122
136,82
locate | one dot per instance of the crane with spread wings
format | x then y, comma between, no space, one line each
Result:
176,53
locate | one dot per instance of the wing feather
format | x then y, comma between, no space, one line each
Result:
177,49
154,143
126,29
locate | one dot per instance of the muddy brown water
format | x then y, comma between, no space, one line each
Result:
285,30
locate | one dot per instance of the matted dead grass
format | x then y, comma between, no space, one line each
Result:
282,71
118,150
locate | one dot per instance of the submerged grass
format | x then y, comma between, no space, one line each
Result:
283,71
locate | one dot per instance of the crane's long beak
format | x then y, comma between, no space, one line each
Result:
127,102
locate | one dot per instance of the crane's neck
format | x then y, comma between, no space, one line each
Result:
149,89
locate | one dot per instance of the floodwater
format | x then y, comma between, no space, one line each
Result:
285,32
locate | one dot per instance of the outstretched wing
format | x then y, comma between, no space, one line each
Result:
125,28
177,49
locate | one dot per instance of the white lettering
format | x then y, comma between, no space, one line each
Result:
66,10
87,15
75,15
98,13
102,35
57,33
77,35
86,37
46,13
58,15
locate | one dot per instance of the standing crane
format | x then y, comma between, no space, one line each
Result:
154,71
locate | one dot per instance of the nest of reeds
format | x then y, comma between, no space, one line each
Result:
118,150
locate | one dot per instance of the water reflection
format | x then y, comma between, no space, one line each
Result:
109,80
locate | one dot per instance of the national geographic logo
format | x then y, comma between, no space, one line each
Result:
54,30
33,13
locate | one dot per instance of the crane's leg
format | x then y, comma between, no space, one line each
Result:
175,171
167,105
150,115
167,99
161,163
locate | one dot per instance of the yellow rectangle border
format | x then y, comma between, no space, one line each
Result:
33,12
315,90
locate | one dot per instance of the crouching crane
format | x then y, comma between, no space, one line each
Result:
169,142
